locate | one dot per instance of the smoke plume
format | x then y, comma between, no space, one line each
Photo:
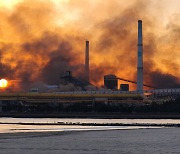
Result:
41,40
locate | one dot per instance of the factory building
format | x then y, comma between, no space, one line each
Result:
79,95
78,84
110,82
124,87
67,78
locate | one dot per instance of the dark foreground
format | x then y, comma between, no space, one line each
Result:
108,115
140,141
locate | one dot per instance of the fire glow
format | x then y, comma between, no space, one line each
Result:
40,41
3,83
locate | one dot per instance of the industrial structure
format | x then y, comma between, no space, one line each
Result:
87,61
140,59
111,82
78,84
81,93
124,87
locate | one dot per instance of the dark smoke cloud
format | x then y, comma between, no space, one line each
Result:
161,80
60,55
36,49
6,71
118,40
60,62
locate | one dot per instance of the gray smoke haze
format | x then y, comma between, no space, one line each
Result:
33,48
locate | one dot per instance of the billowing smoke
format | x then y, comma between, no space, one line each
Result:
41,41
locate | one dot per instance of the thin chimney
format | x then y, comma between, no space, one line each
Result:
140,59
87,61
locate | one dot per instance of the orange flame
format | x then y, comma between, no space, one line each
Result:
41,40
3,83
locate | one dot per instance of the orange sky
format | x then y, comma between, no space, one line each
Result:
33,33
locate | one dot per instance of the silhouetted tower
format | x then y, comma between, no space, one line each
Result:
87,61
140,59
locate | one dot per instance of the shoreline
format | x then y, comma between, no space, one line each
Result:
95,124
94,115
42,133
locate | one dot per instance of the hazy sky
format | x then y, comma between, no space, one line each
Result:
48,34
164,8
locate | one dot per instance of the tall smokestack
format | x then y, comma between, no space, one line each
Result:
140,59
87,61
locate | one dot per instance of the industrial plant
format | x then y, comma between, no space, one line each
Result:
79,95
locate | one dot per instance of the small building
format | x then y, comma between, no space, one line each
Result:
110,82
124,87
